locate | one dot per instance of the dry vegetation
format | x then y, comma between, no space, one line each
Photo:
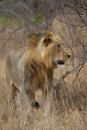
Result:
69,20
69,110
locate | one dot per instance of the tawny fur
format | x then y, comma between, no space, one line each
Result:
29,68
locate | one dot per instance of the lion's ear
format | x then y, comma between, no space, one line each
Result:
47,41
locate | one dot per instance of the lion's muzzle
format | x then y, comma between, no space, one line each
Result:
60,62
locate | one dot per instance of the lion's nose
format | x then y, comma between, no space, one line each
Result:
68,56
60,62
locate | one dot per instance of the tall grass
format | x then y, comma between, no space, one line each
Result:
68,108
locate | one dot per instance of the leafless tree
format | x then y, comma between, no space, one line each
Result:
35,12
41,13
78,8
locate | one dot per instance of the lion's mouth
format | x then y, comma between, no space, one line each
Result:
60,62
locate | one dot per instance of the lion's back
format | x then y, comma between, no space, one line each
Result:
15,65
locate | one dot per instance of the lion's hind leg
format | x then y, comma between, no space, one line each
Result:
13,95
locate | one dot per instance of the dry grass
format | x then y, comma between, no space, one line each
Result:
69,110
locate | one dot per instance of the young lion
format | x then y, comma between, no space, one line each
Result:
29,68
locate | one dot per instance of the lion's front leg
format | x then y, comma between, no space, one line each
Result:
29,91
49,92
31,97
30,84
49,81
47,87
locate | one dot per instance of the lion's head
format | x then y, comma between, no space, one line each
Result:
47,49
59,55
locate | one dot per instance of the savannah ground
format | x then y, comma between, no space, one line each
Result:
69,108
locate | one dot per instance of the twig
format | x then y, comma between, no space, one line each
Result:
77,74
69,72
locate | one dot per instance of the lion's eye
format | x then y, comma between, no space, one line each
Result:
58,45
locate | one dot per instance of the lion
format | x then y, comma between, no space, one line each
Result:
29,68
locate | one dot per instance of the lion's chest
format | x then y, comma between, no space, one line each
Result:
36,75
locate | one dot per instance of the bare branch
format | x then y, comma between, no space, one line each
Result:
75,68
